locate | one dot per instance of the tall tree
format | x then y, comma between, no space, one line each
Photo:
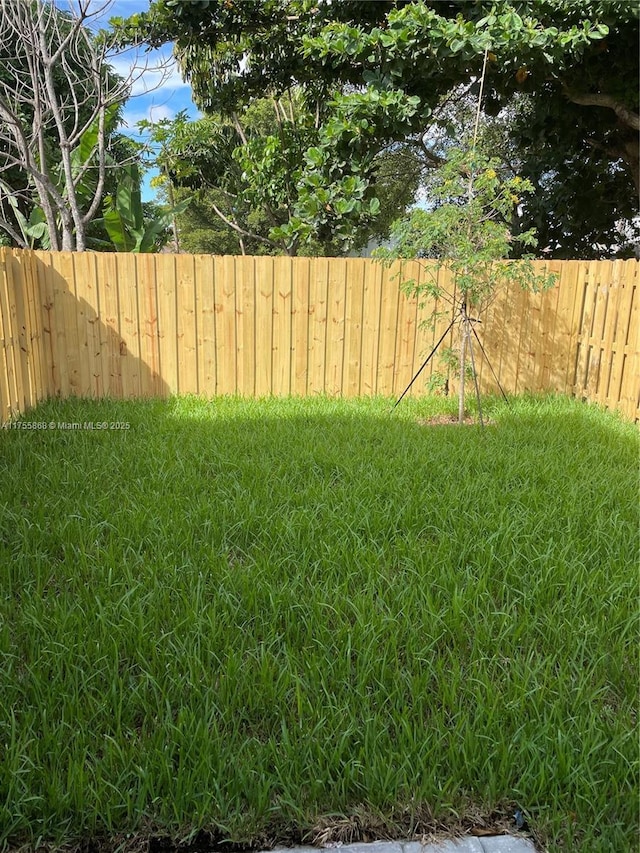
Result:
59,108
377,71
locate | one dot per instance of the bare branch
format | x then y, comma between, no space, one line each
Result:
238,127
17,238
434,159
240,230
97,196
10,230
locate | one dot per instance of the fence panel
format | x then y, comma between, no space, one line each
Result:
126,325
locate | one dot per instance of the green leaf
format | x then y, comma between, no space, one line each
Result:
118,231
314,156
34,228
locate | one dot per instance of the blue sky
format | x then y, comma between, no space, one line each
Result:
157,94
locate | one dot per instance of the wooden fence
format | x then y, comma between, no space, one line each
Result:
123,325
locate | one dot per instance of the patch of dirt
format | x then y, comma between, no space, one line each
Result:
415,823
409,824
449,420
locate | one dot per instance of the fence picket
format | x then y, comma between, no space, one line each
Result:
33,296
353,327
17,286
282,308
129,324
372,302
629,399
187,333
300,327
87,312
406,332
317,325
226,339
336,306
388,330
264,325
206,343
167,322
150,378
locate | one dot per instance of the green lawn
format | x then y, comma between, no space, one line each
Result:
257,619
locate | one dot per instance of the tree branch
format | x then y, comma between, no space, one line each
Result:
238,127
434,159
17,238
240,230
596,99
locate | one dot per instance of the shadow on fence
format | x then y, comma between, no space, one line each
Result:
56,344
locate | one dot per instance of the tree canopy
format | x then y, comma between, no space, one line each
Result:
246,169
374,73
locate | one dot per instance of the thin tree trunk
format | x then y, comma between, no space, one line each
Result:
174,224
70,241
69,244
463,358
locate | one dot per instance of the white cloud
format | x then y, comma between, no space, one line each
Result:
149,73
160,112
154,113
